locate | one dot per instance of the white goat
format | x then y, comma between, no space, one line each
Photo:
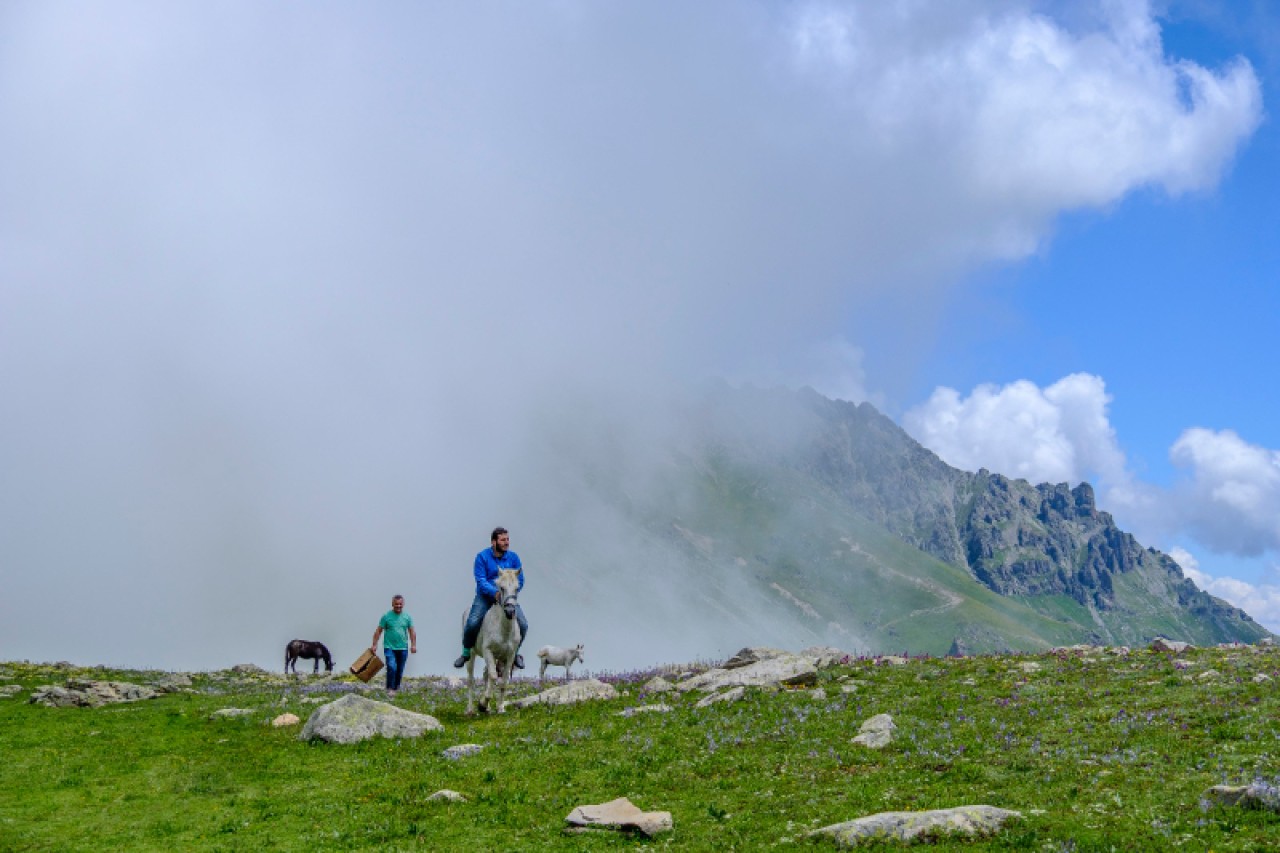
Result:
556,656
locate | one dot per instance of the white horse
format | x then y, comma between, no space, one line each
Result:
497,644
556,656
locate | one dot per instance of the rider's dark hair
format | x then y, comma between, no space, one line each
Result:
497,531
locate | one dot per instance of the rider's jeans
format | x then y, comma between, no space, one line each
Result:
396,659
479,608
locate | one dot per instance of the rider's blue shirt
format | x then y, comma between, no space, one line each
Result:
486,570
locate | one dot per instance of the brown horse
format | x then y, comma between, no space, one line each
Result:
308,650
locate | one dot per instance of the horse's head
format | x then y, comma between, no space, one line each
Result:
508,584
576,652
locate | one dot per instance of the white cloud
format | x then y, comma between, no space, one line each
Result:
1231,497
1259,600
1057,434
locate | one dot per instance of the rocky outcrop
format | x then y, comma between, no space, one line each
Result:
89,694
582,690
354,718
783,669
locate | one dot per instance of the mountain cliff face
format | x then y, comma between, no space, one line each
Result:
1045,547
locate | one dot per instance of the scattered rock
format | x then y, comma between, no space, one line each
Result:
621,815
227,713
1160,644
172,682
9,690
1078,649
1261,677
1267,641
1208,675
90,694
645,709
972,821
248,669
750,655
1029,666
581,690
1259,795
354,718
658,684
893,660
733,694
447,795
286,720
825,656
461,750
876,732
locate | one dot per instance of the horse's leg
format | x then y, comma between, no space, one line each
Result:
471,684
542,673
490,675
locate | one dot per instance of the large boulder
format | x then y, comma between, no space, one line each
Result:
972,821
784,669
582,690
354,718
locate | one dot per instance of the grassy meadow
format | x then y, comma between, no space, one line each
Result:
1099,751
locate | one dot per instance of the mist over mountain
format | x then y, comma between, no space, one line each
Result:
783,517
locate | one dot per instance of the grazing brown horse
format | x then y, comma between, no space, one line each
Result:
309,650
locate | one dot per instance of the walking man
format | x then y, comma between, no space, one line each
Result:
400,641
488,562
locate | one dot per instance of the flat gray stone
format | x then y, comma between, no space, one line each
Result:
972,821
659,708
228,713
733,694
461,750
445,795
620,814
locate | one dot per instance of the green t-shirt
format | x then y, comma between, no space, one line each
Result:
396,629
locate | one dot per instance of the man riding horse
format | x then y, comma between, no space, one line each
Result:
488,563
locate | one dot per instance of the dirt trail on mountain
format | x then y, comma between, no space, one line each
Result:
950,598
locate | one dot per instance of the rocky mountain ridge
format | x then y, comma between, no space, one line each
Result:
1045,545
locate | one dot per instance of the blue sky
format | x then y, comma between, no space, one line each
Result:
287,290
